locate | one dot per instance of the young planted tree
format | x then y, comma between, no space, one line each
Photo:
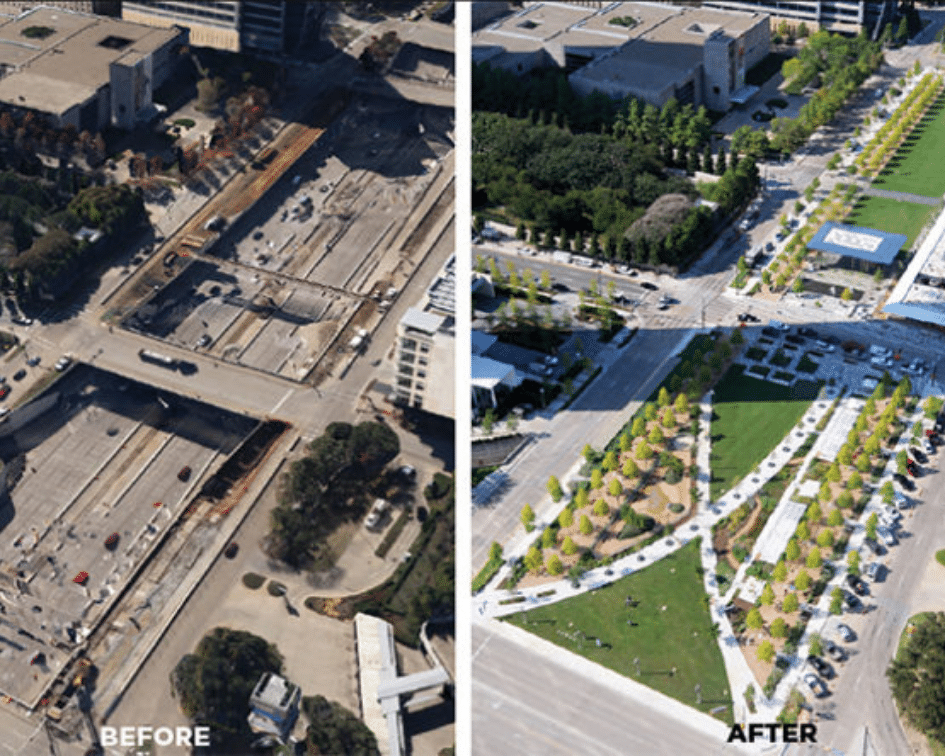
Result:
767,595
585,525
638,428
600,508
668,420
681,405
656,435
663,398
790,603
568,546
814,559
644,451
802,581
611,462
836,601
833,474
825,538
630,469
533,560
614,488
566,518
802,532
581,498
626,442
554,488
527,516
872,522
835,518
554,566
779,574
853,562
549,538
754,620
766,652
779,628
597,478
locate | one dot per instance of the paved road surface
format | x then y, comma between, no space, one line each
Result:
526,701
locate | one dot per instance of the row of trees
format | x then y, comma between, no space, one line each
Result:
891,134
839,65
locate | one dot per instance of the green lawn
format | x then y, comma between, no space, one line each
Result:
679,637
751,417
915,168
891,215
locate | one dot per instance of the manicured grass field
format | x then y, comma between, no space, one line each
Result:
915,168
679,637
751,417
891,215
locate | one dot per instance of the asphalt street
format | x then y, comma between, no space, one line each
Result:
532,703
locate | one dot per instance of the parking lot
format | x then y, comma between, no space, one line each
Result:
333,240
104,463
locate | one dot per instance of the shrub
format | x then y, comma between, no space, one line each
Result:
630,469
554,565
253,581
568,546
600,508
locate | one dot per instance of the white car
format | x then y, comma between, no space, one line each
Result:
779,325
825,347
886,535
815,684
890,512
845,631
62,363
872,571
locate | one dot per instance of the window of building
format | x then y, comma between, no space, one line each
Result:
421,360
408,344
418,387
405,369
407,357
421,374
424,348
404,382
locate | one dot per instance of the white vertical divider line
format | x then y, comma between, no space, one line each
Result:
463,210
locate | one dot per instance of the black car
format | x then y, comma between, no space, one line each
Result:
918,454
834,651
649,286
832,340
747,317
903,481
558,286
874,547
808,332
858,586
822,667
19,375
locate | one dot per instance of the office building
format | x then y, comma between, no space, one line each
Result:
83,70
262,26
842,16
645,50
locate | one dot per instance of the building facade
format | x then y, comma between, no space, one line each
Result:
274,705
262,26
846,16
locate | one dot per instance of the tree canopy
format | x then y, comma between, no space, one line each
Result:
917,677
214,683
333,729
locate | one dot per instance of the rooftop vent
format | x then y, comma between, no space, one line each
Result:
115,43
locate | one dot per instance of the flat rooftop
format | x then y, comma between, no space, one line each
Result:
668,41
920,292
71,49
862,243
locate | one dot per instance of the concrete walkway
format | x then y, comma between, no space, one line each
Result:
917,199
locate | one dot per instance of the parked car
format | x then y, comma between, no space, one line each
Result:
816,685
19,375
858,586
874,547
825,347
846,633
62,363
407,473
231,549
822,667
903,481
851,602
33,361
649,286
887,536
918,454
558,286
834,651
874,571
777,324
183,474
